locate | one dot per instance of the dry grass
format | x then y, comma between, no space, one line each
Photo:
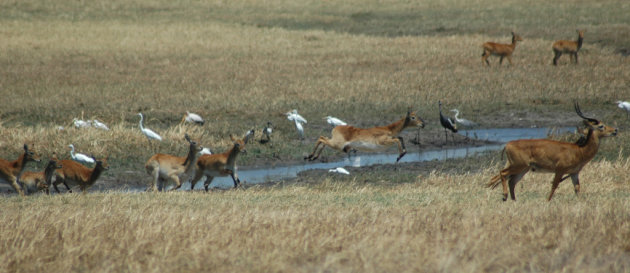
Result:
439,222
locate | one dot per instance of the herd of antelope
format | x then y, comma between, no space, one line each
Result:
537,155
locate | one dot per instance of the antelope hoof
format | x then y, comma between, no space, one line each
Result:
504,197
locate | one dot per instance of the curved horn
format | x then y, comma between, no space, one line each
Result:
579,112
187,137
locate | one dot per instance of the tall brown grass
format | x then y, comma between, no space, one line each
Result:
440,222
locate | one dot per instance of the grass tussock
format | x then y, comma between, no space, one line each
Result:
440,222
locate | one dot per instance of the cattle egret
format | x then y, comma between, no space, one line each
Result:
100,125
294,116
193,118
339,170
334,121
81,123
625,106
300,129
78,157
147,132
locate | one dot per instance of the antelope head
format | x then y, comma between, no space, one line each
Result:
597,127
413,120
30,155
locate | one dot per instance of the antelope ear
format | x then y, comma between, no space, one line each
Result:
588,123
232,137
409,111
25,147
187,137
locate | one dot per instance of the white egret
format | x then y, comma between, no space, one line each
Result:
147,132
99,125
339,170
294,116
79,157
625,106
81,123
193,118
334,121
447,123
461,121
300,129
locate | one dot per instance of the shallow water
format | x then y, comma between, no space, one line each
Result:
499,136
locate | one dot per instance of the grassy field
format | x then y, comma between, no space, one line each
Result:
435,223
242,63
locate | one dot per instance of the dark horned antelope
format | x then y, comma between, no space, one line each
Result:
547,155
10,171
163,166
346,138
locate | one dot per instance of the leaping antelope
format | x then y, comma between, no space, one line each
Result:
163,166
11,171
346,138
74,173
40,181
553,156
223,164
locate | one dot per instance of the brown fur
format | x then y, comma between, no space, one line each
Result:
568,47
553,156
223,164
75,173
501,50
11,171
40,181
346,137
169,167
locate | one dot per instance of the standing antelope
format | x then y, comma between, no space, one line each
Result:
11,171
74,173
163,166
501,50
551,156
223,164
569,47
346,137
38,181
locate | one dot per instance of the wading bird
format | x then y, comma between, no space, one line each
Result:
147,132
193,118
625,106
339,170
297,120
447,123
334,121
81,123
100,125
463,122
79,157
267,133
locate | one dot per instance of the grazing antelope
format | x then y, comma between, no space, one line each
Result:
547,155
40,181
501,50
223,164
11,171
569,47
76,174
169,167
347,138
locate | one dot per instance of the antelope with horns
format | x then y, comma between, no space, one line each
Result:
346,138
547,155
162,167
40,181
501,50
75,173
11,171
569,47
223,164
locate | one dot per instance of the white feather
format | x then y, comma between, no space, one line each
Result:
461,121
205,151
294,116
193,118
81,123
339,170
335,121
100,125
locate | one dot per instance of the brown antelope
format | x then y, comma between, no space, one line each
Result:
223,164
162,167
346,138
569,47
547,155
11,171
76,174
501,50
40,181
